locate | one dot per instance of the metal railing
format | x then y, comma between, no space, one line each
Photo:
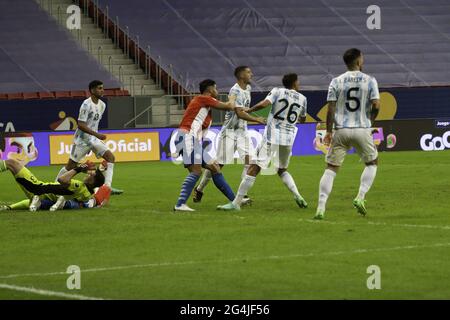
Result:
168,112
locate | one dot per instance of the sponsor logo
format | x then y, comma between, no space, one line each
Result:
445,123
139,146
430,143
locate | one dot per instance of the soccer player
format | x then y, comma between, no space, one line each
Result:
69,188
288,107
233,136
353,105
87,138
189,143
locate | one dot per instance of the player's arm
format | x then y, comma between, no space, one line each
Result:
260,105
83,127
65,179
245,116
374,110
301,120
330,122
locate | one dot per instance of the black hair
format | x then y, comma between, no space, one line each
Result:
94,84
238,70
205,84
289,80
351,55
99,180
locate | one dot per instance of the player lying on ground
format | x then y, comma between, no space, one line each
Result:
87,138
233,136
288,105
196,119
69,188
353,105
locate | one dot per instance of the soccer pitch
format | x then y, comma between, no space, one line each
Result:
137,248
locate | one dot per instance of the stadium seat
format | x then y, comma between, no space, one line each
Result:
109,92
121,92
46,95
30,95
15,96
3,96
62,94
78,94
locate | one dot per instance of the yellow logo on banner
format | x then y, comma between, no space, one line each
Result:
132,146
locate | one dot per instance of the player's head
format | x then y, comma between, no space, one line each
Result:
243,73
96,88
353,59
290,81
208,87
94,180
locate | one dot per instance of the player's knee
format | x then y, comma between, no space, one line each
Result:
333,168
372,163
109,156
253,170
281,171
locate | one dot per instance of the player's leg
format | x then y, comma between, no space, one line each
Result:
247,155
225,148
334,159
192,152
367,150
282,157
77,153
262,161
21,205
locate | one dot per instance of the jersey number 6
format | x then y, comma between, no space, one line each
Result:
350,98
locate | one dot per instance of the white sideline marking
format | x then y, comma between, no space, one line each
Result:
47,293
274,257
403,225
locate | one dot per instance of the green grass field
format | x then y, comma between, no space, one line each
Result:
137,248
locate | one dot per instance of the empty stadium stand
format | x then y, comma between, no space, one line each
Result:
208,39
38,56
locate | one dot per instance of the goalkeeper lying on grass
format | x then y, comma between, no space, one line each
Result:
76,193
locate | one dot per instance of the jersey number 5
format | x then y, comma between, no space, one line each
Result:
292,115
350,98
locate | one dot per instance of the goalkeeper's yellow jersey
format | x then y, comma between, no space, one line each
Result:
79,189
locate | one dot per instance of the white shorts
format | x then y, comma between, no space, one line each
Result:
344,139
79,151
231,141
277,154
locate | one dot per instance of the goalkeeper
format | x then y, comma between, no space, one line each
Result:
72,189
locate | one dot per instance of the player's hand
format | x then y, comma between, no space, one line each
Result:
101,136
246,109
87,166
261,120
327,139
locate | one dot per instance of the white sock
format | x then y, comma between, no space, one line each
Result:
109,174
61,172
326,184
290,183
367,178
245,185
206,178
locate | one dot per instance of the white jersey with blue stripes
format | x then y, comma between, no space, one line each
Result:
243,98
353,92
287,106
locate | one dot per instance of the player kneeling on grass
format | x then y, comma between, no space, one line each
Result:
288,106
189,144
69,188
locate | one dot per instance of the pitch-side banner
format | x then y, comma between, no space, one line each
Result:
45,148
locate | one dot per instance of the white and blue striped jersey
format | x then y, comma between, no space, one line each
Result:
90,113
353,92
243,97
287,106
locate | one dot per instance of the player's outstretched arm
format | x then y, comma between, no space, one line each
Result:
229,105
64,180
260,105
83,127
245,116
330,122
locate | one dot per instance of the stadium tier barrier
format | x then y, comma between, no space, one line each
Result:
158,144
